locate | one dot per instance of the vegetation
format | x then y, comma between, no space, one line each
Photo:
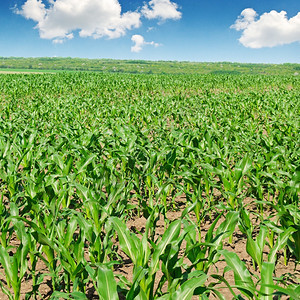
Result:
84,155
142,66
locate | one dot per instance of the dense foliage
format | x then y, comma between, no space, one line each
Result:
82,154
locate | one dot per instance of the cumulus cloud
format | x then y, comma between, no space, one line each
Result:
269,30
33,9
161,9
61,40
139,43
93,18
246,17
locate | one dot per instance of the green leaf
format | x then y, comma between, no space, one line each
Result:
129,243
242,168
293,293
106,283
43,240
135,288
6,291
170,235
6,263
280,243
242,276
209,234
72,226
69,296
267,280
261,238
85,162
226,228
253,250
186,291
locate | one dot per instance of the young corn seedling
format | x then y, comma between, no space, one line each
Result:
242,277
233,180
5,230
71,253
15,265
245,284
204,255
147,261
104,281
44,237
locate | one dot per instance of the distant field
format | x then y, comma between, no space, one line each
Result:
29,71
25,71
134,186
144,67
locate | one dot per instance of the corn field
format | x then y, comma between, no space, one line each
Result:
118,186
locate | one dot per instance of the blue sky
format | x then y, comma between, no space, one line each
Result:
183,30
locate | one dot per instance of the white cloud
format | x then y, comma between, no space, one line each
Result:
139,43
269,30
58,41
93,18
161,9
61,40
246,17
33,9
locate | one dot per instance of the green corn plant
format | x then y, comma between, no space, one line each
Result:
187,289
242,277
286,237
267,282
147,263
245,284
204,255
47,247
280,243
289,214
104,281
5,230
255,247
15,266
233,180
71,254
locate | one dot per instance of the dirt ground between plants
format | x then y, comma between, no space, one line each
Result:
238,245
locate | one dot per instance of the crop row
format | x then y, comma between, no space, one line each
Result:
83,154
